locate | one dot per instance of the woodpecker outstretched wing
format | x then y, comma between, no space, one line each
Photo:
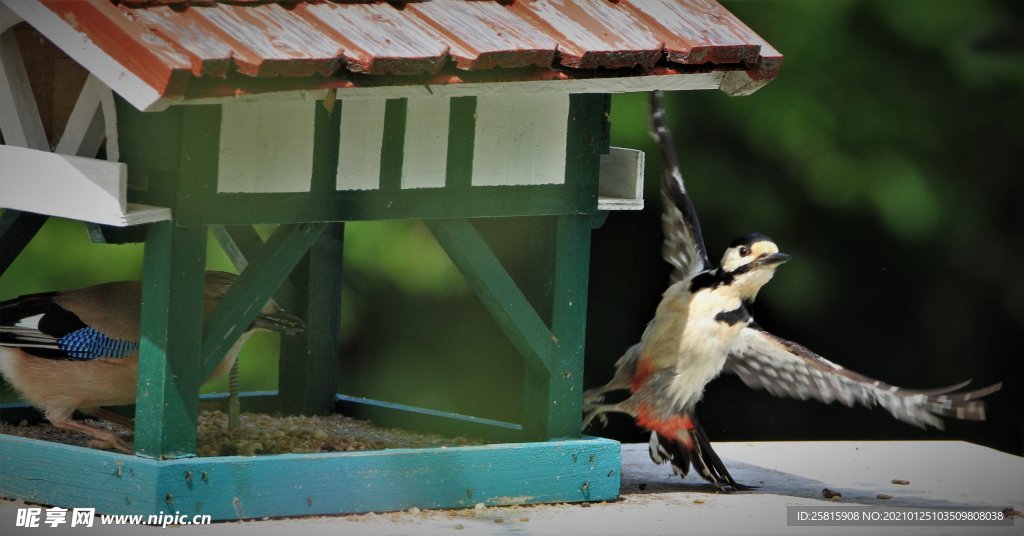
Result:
785,368
683,247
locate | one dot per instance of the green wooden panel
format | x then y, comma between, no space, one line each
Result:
171,155
16,230
393,148
235,487
588,138
552,397
496,289
253,288
326,137
171,337
308,378
149,143
418,203
461,134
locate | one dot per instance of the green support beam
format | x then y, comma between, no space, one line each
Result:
496,289
552,397
167,404
253,288
308,377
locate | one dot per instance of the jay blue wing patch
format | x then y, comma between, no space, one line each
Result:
38,326
87,343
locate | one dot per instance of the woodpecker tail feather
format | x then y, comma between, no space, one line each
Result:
698,453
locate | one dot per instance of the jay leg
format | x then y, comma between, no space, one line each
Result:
105,438
109,416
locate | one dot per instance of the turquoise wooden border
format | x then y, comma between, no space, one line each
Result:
237,487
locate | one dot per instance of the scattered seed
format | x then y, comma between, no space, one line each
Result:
837,498
900,481
459,526
883,496
698,501
524,520
499,520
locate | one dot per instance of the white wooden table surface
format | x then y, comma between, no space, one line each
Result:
941,474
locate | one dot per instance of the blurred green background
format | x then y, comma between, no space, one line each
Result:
886,158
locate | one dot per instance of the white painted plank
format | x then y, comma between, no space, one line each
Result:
362,136
138,214
617,203
520,140
84,131
632,84
61,185
621,181
8,18
113,148
426,143
20,122
266,147
76,45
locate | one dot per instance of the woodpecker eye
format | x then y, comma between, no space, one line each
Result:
744,251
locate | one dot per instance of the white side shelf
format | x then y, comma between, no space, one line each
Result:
73,187
621,183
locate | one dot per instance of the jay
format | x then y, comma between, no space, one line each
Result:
78,349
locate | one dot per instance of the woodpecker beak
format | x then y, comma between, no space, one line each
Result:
772,259
280,322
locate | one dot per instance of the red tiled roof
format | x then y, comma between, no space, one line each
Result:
182,48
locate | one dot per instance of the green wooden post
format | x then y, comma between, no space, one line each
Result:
173,154
308,377
167,405
16,230
552,395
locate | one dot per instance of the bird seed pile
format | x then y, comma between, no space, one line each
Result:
266,434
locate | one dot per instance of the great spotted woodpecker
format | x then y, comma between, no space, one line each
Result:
703,326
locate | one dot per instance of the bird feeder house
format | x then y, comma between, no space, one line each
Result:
224,115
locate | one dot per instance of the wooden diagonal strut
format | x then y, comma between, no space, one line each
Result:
553,378
253,288
496,289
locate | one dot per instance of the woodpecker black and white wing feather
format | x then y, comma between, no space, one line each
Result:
683,247
785,368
